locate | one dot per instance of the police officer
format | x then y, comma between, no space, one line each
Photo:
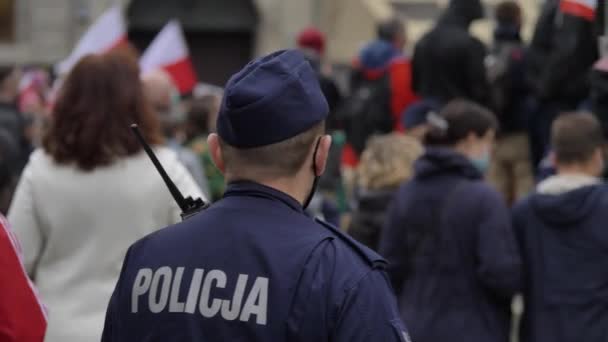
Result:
254,266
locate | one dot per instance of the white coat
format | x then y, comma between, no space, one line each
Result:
75,227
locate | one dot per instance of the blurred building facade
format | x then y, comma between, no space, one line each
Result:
222,34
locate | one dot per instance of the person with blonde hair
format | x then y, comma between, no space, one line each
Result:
386,163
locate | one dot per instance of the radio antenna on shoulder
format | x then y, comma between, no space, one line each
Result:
188,205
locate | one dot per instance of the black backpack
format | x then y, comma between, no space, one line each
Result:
498,66
367,111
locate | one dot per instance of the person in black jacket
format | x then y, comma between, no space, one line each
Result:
14,146
453,260
543,39
448,61
563,51
564,79
512,171
11,119
563,239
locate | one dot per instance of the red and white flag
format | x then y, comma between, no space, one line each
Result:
107,32
169,51
579,8
32,90
24,316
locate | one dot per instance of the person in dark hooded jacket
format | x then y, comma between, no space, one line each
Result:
562,53
448,61
562,234
454,263
564,78
599,92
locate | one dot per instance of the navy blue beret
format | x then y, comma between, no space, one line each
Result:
273,98
417,113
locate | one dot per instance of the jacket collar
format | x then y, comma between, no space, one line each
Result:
559,184
507,33
253,189
442,161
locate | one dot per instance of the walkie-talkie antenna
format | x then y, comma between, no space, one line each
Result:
188,205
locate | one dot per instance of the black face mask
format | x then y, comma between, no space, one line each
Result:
315,183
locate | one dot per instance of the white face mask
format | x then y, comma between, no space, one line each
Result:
482,163
482,160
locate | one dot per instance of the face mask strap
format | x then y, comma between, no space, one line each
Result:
315,183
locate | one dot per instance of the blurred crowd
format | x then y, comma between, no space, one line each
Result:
430,150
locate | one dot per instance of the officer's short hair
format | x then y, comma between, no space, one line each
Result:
576,137
281,159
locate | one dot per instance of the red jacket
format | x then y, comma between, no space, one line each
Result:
401,83
22,316
402,95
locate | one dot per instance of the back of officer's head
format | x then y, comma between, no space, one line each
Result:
271,117
577,142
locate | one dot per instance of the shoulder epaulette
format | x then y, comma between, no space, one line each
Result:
373,258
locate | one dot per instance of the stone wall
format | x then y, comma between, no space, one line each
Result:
41,28
48,29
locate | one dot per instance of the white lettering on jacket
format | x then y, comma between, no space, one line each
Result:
162,291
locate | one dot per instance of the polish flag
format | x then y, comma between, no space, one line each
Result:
18,296
108,32
30,90
169,51
579,8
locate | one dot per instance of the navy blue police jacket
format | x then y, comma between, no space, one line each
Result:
252,267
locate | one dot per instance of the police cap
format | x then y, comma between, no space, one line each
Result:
273,98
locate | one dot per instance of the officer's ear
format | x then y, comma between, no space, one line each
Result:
322,154
215,150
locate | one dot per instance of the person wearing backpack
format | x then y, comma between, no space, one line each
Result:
511,170
380,89
453,260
